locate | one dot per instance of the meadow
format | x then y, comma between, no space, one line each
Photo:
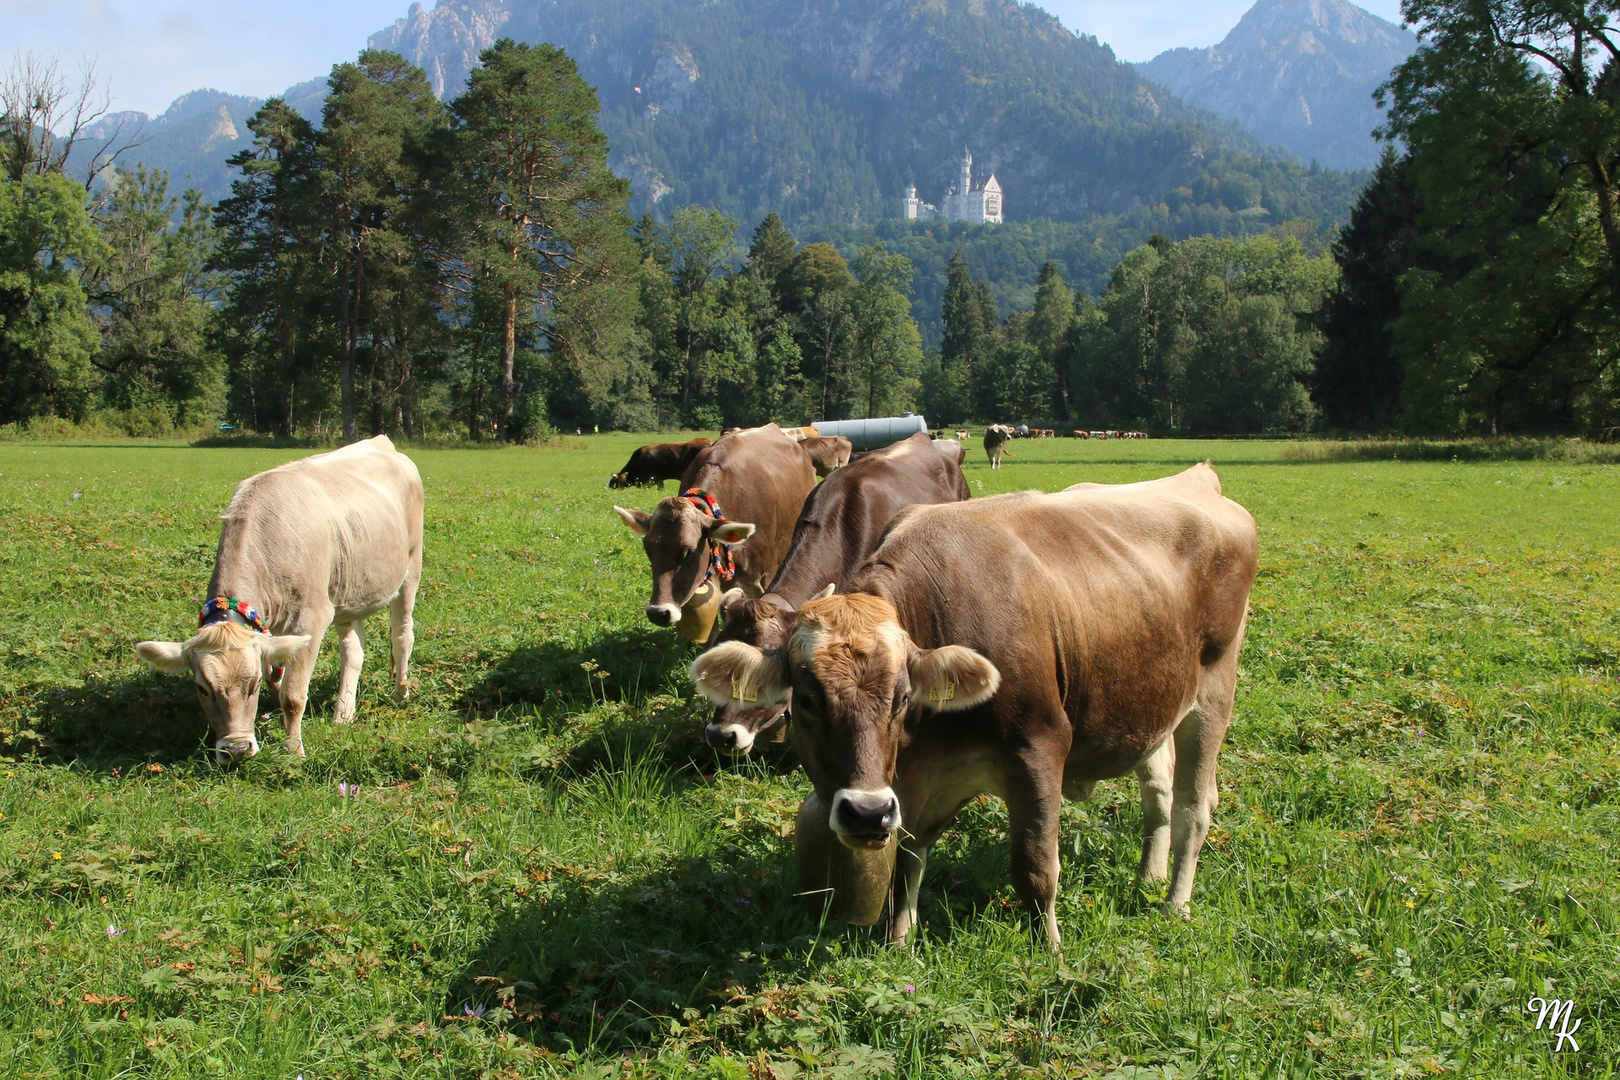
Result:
535,867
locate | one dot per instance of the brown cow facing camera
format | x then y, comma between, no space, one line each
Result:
1025,646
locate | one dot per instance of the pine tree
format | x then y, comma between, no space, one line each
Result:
1047,332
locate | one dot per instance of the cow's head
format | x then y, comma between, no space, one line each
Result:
854,675
766,624
226,661
676,537
619,480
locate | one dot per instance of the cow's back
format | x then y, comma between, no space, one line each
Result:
759,476
846,515
1106,602
346,524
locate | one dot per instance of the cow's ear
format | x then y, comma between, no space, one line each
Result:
731,532
832,587
168,657
731,599
634,520
737,673
282,647
954,677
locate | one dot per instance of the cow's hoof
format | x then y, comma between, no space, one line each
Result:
1181,911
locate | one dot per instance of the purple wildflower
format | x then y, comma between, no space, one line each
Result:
473,1011
910,989
744,901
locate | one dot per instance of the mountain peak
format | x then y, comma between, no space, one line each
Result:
1300,73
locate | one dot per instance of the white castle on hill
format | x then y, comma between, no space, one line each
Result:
963,202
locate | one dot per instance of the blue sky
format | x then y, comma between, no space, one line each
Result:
151,51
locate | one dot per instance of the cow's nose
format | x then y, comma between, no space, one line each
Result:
663,614
866,814
237,747
728,737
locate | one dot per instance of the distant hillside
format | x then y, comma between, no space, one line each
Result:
823,111
197,133
1298,73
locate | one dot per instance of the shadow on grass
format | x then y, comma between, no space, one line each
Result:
625,665
107,725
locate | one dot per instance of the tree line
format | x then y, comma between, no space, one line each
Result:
425,268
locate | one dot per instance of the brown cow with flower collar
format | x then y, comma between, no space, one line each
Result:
759,478
1026,646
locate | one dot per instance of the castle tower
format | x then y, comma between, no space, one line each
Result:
967,172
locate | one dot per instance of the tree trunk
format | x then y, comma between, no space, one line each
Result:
508,360
346,315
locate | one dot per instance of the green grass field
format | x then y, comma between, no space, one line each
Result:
545,872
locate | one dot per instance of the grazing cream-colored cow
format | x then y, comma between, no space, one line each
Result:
329,539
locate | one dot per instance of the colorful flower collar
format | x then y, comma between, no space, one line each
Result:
230,609
721,564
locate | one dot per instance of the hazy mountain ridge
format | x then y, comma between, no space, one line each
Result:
825,111
1298,73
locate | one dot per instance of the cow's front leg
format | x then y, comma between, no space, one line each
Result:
909,863
351,654
1198,742
293,689
1156,776
1034,800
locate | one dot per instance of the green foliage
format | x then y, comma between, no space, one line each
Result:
153,291
1508,113
1208,335
1409,842
46,336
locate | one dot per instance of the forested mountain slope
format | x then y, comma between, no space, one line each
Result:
1298,73
823,111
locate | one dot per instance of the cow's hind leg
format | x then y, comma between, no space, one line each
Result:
402,635
1198,743
351,654
1156,776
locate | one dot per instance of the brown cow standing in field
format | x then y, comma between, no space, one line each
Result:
995,443
840,525
827,452
759,479
657,462
328,539
1027,646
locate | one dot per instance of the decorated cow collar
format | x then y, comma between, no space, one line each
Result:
721,564
230,609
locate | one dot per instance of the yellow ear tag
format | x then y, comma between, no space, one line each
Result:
936,694
739,692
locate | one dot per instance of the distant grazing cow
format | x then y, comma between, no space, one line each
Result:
840,525
1026,646
758,478
827,452
328,539
963,434
995,443
657,462
1082,434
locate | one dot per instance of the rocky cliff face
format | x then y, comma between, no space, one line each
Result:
1298,73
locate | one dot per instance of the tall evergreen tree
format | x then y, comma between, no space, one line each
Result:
269,230
545,214
1047,332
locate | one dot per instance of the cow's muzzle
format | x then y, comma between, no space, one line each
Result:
865,819
663,614
235,747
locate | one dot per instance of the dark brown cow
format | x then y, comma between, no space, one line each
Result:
1027,646
657,462
827,452
995,443
759,478
840,525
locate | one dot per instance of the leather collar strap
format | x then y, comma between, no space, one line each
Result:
721,564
